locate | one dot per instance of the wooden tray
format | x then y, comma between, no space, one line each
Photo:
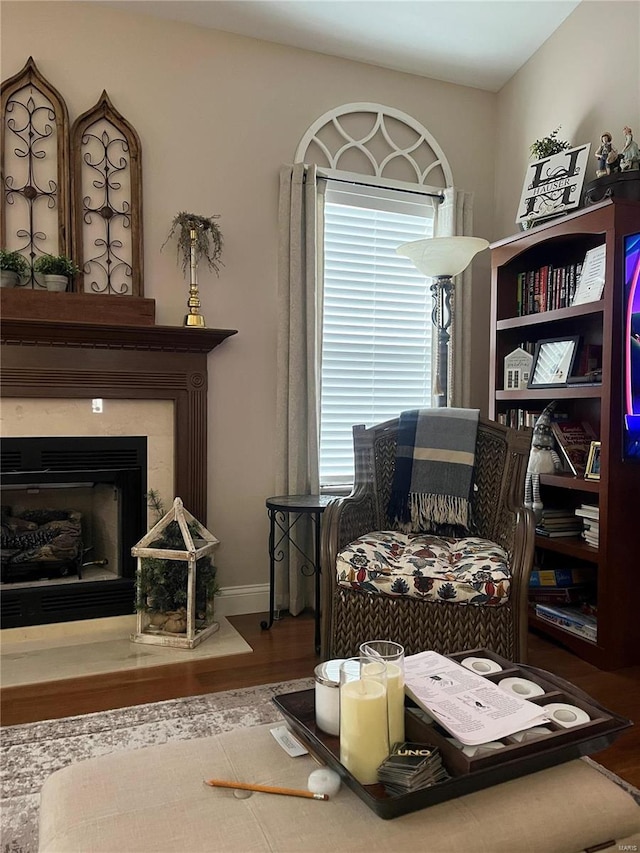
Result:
467,774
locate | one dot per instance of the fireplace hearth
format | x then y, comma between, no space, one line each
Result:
97,482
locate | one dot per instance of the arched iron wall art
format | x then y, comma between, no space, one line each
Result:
34,152
107,201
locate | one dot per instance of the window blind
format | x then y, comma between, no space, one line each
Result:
376,340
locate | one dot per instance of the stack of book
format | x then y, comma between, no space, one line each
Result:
571,618
589,514
559,522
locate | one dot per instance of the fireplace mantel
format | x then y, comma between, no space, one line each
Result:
48,359
68,334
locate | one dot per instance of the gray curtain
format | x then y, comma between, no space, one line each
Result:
455,219
298,369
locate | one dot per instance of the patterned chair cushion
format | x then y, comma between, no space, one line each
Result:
469,570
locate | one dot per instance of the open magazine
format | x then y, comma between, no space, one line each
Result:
472,708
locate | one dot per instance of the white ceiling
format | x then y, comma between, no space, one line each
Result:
479,43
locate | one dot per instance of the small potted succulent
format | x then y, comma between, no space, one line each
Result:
13,266
56,271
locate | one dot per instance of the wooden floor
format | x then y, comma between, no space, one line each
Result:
286,652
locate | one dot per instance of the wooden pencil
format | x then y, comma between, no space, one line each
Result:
266,789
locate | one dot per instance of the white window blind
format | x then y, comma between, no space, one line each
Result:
376,340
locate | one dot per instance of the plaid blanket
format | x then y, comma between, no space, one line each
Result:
435,456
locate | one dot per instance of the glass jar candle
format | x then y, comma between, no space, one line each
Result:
327,677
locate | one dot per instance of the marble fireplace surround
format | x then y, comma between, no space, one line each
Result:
71,361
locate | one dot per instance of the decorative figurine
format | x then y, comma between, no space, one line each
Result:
630,154
543,459
607,156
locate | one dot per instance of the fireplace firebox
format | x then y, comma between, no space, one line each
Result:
87,493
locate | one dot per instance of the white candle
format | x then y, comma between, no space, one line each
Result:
364,742
327,677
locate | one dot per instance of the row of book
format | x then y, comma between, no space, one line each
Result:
546,288
518,418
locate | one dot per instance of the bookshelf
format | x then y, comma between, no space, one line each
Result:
564,242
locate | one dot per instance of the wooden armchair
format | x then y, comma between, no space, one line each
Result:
351,615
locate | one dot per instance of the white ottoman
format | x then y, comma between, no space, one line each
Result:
154,800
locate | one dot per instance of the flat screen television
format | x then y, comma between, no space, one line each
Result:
632,347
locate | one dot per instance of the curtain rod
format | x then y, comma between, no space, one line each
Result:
439,196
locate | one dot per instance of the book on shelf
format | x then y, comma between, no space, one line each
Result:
560,594
562,577
591,284
591,538
580,631
559,533
591,511
571,618
574,440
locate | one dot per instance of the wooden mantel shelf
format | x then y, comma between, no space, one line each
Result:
92,335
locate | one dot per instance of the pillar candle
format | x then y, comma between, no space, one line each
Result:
364,740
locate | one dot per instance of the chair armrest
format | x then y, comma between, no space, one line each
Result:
343,520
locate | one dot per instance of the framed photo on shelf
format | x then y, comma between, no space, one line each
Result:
553,362
593,462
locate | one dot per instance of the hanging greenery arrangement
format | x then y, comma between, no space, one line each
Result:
208,239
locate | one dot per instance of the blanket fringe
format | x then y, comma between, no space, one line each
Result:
437,509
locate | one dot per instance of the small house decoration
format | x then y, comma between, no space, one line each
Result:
517,369
175,581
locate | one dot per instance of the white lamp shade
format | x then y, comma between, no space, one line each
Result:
438,256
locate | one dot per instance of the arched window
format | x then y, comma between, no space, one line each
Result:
382,178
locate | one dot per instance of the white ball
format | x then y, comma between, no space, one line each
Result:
324,781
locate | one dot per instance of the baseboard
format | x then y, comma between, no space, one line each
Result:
237,600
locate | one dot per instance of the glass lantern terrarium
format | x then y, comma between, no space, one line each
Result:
175,581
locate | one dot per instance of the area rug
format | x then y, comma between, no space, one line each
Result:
29,753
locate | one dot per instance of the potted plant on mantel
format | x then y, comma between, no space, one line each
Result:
13,266
56,271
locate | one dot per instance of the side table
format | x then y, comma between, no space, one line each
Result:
284,513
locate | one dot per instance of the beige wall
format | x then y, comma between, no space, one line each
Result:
586,78
217,115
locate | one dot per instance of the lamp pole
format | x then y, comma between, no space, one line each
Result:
441,290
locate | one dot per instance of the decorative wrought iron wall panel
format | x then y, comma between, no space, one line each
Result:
107,201
34,152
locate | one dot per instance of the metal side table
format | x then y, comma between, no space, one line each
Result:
285,512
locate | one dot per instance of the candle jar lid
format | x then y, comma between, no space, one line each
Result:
328,673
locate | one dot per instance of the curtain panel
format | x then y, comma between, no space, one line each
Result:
298,368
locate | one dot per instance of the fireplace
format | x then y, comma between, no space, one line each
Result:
98,482
51,360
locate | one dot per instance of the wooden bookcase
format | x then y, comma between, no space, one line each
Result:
564,241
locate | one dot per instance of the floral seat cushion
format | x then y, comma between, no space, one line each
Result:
469,570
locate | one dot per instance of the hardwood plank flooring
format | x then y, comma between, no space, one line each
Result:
286,652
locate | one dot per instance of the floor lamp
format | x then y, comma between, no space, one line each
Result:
440,258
